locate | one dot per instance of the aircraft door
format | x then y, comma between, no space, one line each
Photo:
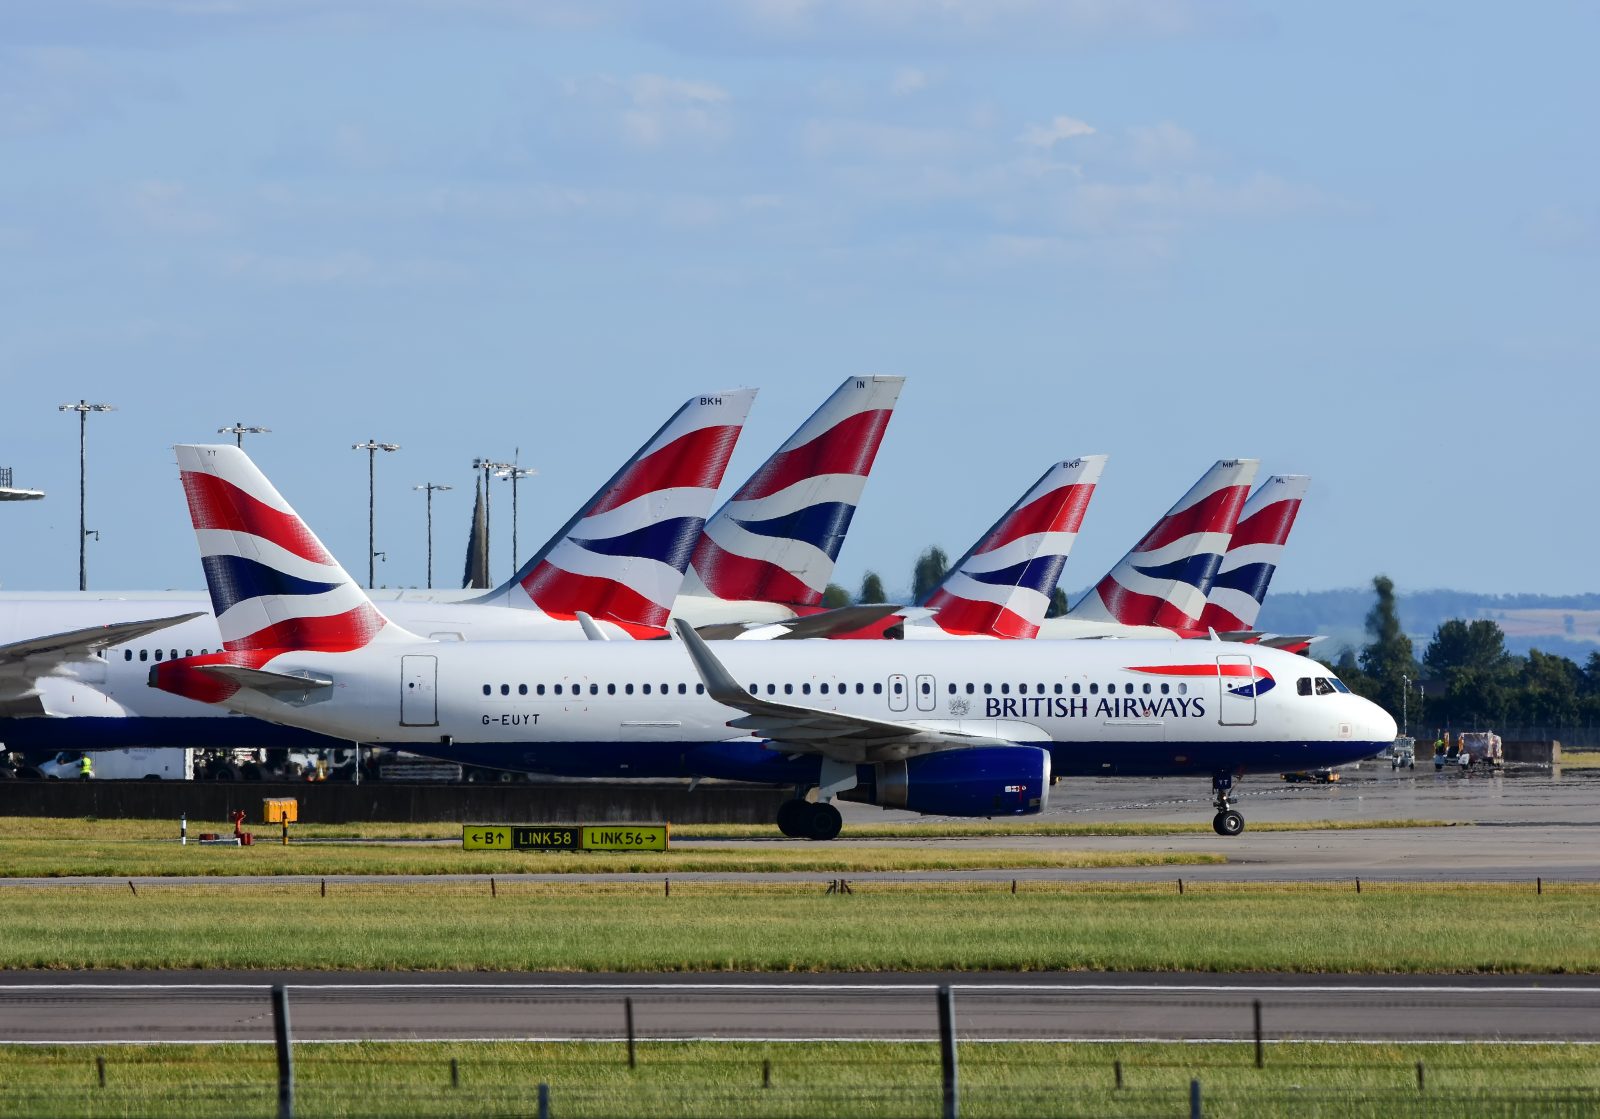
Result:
419,699
1236,685
897,692
925,693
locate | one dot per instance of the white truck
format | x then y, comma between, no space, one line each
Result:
155,763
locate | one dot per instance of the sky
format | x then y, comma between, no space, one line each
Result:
1359,241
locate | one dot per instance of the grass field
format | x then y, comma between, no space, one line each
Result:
569,926
1580,759
870,1079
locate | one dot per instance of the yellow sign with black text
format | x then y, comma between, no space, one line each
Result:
566,837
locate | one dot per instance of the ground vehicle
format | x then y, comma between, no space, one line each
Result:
155,763
1480,748
1403,754
1312,776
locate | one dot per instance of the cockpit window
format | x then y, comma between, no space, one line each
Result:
1303,685
1338,685
1324,686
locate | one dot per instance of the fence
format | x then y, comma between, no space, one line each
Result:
797,1048
5,477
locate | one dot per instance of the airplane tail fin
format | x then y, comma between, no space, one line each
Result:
777,538
621,558
273,585
1163,581
1003,586
1234,601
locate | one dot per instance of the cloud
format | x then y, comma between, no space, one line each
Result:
167,208
338,268
665,110
908,80
50,89
1047,136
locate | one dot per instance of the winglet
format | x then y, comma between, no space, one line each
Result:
591,631
719,682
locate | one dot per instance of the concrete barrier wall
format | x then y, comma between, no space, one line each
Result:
641,802
1545,753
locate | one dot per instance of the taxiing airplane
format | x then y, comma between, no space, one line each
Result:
947,728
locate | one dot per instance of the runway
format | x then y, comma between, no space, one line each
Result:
221,1007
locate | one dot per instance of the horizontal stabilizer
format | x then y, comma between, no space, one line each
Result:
77,643
260,680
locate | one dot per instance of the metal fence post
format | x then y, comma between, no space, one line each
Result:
1261,1059
544,1100
627,1009
947,1050
1194,1099
280,1033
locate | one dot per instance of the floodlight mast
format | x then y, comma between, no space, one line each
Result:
83,408
240,430
488,467
431,487
372,447
515,474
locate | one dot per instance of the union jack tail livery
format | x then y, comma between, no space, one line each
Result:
1235,598
273,585
1002,587
621,558
1163,581
777,538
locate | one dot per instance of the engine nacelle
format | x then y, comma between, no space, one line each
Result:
980,781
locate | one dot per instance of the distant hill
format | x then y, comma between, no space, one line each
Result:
1565,624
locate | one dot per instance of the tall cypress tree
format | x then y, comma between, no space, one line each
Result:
1387,657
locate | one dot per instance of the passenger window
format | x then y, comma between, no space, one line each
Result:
1094,689
1022,689
594,689
505,689
788,689
772,689
1303,685
952,689
158,654
1060,688
538,689
699,689
522,689
683,689
1183,689
174,654
144,654
1165,688
611,689
861,689
1147,689
628,688
188,652
899,688
1005,689
988,689
1127,689
971,688
805,689
127,654
823,688
646,688
487,690
877,689
556,689
927,688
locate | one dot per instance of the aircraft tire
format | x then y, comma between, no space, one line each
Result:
1228,823
791,817
823,822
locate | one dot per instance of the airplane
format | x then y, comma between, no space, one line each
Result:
618,560
1159,588
1236,596
768,553
946,728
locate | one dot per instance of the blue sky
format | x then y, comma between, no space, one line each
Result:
1357,241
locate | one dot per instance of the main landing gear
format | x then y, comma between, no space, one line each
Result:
1226,821
803,819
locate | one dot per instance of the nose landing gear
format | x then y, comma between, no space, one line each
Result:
1227,821
802,819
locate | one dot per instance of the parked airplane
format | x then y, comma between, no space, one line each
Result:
948,728
618,560
1234,601
768,553
1160,586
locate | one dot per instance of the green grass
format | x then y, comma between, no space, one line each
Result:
1580,759
866,1079
566,926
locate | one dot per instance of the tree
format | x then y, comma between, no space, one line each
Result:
929,573
1387,658
872,589
1547,695
1589,691
1478,676
835,596
1058,605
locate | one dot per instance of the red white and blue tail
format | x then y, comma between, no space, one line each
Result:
777,538
621,558
1163,581
1235,598
1002,587
273,585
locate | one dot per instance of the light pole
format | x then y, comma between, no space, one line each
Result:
514,474
372,447
83,408
239,431
488,469
430,487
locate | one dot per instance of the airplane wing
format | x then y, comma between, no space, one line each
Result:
22,663
833,734
78,643
827,623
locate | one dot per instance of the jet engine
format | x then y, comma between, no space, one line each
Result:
979,781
